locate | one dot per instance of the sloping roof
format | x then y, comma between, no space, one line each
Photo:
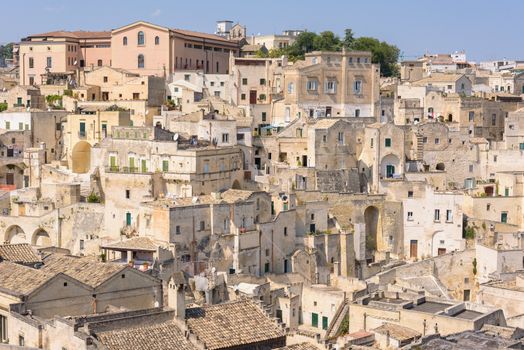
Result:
438,78
87,270
232,324
397,332
163,336
135,243
301,346
21,253
203,35
325,123
20,279
343,213
77,34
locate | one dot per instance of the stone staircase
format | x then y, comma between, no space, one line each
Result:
419,153
335,324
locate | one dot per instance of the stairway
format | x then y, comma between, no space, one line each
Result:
419,155
335,324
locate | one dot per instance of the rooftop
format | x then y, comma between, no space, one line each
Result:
397,332
135,243
84,269
20,279
165,336
21,253
232,324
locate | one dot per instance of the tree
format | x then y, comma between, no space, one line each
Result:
349,38
3,106
382,52
327,41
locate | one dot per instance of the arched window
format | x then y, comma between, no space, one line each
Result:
141,38
140,61
157,40
124,41
99,63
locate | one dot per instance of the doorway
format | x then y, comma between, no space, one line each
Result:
413,248
253,97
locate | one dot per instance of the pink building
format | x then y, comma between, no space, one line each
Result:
62,52
140,47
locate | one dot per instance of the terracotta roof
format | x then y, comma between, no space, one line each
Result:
163,336
203,35
21,253
136,243
438,78
301,346
397,332
77,34
325,123
21,279
232,324
87,270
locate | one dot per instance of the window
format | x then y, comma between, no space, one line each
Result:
311,85
471,168
493,119
31,62
124,41
425,139
285,231
21,340
3,329
177,230
140,61
340,138
225,138
31,80
99,63
206,167
437,141
504,217
521,146
264,116
410,194
290,88
141,38
387,142
157,40
49,62
82,245
357,113
410,216
449,215
202,225
331,87
436,217
128,194
106,79
262,81
471,116
165,165
371,142
357,87
20,126
243,97
244,81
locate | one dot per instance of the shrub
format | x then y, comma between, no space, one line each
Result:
3,107
93,198
469,232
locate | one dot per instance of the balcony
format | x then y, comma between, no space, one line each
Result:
126,170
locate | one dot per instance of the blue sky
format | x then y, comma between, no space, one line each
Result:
486,29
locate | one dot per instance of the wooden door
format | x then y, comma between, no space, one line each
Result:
253,97
413,247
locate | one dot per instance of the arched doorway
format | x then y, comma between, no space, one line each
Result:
372,221
14,234
390,166
236,185
81,157
41,238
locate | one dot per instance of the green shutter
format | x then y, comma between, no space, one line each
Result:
314,320
144,166
165,166
324,323
131,164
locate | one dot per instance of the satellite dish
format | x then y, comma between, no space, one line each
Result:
175,137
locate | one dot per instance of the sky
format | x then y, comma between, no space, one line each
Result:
485,29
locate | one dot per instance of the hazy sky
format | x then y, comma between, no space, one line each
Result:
486,29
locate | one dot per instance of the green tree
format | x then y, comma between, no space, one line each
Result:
383,53
349,38
3,106
326,41
6,51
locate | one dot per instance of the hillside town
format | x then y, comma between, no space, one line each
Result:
165,189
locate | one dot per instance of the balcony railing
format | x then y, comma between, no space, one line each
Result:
126,170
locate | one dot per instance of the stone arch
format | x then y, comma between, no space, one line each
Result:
390,166
236,185
440,166
14,175
81,157
41,238
372,222
15,234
